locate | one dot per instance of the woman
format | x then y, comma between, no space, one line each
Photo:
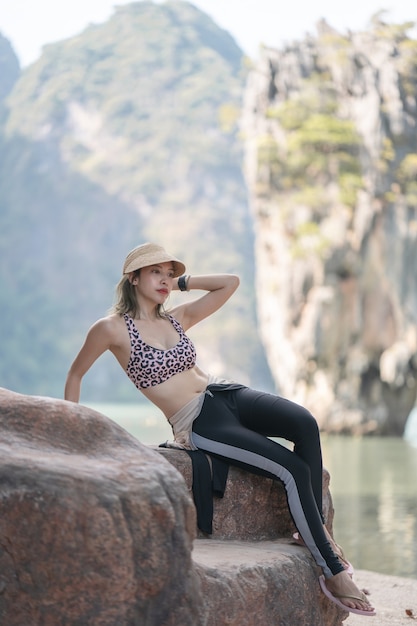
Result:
219,417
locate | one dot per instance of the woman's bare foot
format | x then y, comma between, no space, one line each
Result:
342,587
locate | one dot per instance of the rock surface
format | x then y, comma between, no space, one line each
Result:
98,530
330,125
272,583
95,528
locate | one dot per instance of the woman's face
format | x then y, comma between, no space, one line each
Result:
155,282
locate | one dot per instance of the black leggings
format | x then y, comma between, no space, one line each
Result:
236,423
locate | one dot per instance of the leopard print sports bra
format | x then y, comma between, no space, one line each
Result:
149,366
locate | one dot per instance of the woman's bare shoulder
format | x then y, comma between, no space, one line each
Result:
113,319
110,325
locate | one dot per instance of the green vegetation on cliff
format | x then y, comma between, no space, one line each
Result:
320,146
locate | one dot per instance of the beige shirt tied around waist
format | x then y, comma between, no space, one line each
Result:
182,420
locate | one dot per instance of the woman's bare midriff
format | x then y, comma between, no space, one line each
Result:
177,391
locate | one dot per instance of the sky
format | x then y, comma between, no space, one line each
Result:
30,24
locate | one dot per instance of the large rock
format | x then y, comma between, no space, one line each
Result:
97,530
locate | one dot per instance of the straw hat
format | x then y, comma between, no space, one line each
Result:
150,254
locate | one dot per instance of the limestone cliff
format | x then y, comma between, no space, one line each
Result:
331,163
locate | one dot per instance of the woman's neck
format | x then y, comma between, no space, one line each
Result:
147,313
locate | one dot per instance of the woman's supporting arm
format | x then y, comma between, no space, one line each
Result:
98,340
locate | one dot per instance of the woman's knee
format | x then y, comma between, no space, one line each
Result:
307,423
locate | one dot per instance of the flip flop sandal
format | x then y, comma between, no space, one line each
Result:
335,599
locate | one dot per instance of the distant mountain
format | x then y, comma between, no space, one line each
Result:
125,133
9,67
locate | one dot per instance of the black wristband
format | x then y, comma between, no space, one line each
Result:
183,282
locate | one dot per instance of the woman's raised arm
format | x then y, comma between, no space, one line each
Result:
219,288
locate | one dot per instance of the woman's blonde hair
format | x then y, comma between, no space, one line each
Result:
125,300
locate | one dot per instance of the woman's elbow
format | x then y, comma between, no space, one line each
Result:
234,281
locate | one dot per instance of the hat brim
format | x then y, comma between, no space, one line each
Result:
137,264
